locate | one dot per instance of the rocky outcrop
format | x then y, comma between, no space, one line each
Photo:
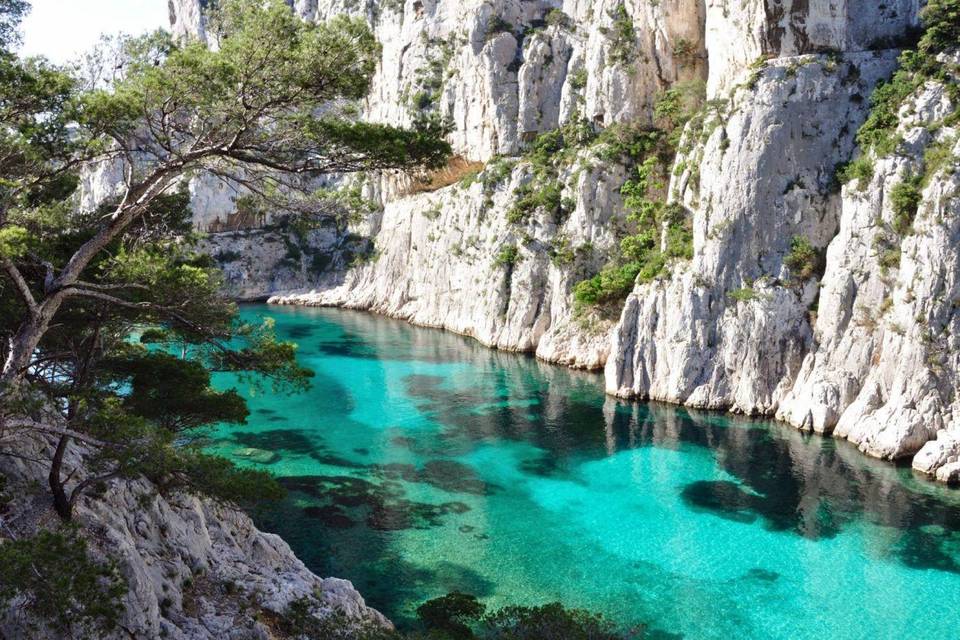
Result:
502,71
194,568
767,29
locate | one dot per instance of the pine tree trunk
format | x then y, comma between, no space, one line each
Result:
23,344
61,502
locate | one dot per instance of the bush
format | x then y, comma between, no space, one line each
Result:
497,25
860,169
547,197
803,259
941,19
509,255
451,614
622,35
557,18
743,294
547,622
59,582
905,199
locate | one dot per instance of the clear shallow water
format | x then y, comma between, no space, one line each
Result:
421,462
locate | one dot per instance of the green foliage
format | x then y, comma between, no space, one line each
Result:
905,199
675,106
455,616
547,622
497,25
561,252
941,23
622,35
743,294
548,153
13,241
492,176
662,231
941,20
58,581
802,259
508,256
172,392
528,199
216,477
860,170
11,13
426,87
557,18
878,131
247,110
578,79
451,615
938,157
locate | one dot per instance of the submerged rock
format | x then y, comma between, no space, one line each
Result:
261,456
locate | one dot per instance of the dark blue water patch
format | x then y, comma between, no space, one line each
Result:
490,420
297,332
448,475
762,575
815,496
288,440
380,505
333,460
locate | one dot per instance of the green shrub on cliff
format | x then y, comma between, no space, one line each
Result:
941,20
56,580
803,259
905,199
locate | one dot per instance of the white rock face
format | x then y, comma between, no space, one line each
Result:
884,371
729,330
195,569
505,70
739,32
441,260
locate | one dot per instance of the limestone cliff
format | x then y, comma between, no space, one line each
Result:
860,344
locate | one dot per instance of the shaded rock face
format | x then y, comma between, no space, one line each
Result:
195,569
444,260
862,348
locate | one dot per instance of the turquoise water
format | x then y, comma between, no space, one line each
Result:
421,462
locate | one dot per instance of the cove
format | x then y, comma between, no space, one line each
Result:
421,462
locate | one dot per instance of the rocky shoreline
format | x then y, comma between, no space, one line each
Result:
194,569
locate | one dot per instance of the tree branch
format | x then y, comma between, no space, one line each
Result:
22,287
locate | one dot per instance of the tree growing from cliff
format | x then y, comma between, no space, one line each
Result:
269,109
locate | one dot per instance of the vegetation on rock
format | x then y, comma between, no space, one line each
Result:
458,616
662,231
55,580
